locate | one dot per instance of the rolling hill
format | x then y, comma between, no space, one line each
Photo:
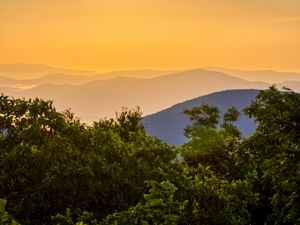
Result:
29,75
169,124
57,79
269,76
102,98
30,71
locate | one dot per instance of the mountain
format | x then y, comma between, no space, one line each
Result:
57,79
46,90
269,76
29,71
6,81
101,98
29,75
169,124
135,73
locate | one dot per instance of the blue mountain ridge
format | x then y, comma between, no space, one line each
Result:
169,124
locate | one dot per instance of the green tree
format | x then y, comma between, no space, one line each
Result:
273,151
50,161
158,207
113,173
210,145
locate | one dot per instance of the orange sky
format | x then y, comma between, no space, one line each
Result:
131,34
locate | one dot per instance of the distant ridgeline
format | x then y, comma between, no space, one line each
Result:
169,124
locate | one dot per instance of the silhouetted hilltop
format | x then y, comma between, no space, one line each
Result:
169,124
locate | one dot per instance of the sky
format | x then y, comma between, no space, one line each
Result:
160,34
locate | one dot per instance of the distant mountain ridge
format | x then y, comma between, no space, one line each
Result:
38,73
169,124
95,99
30,71
101,98
57,79
269,76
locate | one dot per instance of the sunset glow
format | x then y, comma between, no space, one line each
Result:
123,34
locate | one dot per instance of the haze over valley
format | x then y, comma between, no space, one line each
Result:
95,96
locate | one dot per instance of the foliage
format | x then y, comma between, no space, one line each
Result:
273,151
209,145
5,218
158,207
50,161
56,170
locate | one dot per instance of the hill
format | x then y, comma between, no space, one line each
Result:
169,124
27,75
102,98
149,73
269,76
30,71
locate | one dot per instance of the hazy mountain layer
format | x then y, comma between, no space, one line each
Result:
30,71
23,75
269,76
102,98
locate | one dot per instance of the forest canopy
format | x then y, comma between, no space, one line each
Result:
56,170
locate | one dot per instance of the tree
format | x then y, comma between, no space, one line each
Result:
158,207
5,218
55,169
50,161
273,151
208,144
